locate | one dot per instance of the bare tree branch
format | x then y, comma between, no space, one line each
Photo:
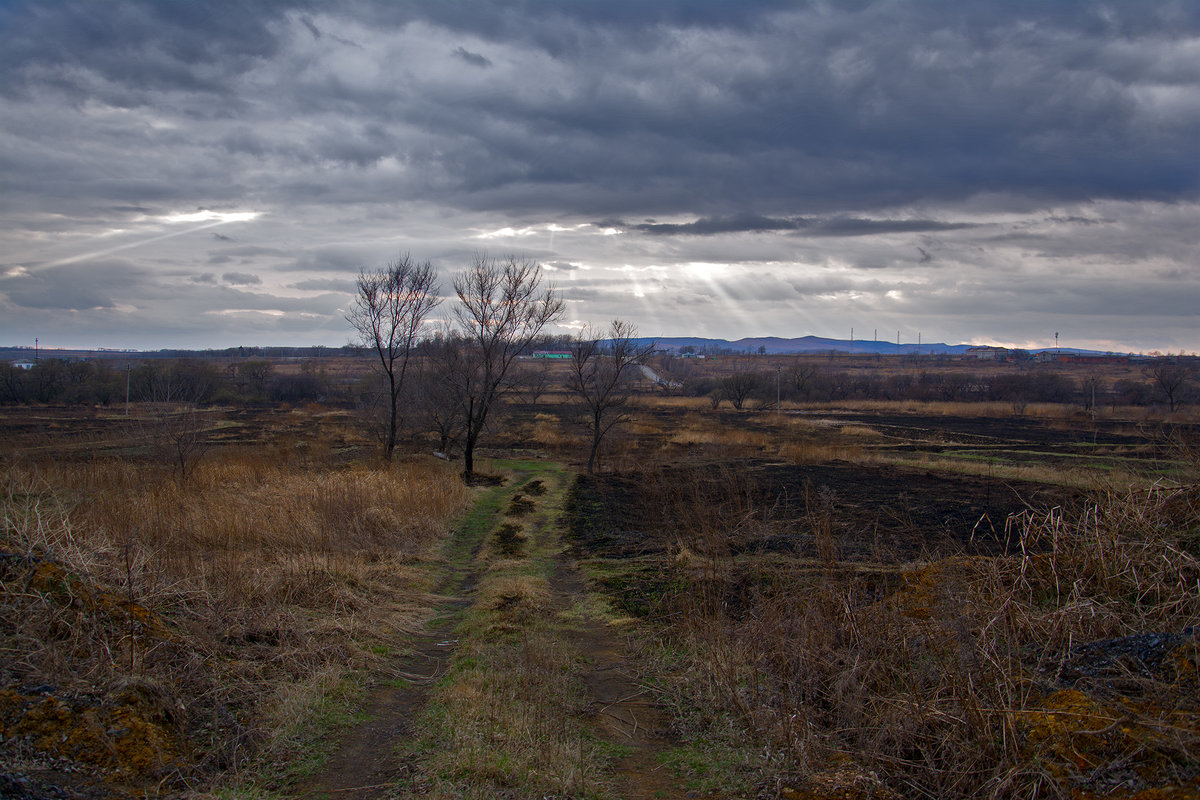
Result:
389,309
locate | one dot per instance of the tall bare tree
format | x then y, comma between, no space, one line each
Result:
502,308
601,374
389,309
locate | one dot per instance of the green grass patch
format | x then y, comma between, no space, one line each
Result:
713,767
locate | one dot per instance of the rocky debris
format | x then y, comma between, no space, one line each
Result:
1124,658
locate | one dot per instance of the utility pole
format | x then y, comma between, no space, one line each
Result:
35,350
778,394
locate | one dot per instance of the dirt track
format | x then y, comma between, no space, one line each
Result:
616,707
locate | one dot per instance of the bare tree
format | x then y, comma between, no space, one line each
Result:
502,308
391,305
1171,377
533,380
600,378
437,387
800,377
171,421
740,387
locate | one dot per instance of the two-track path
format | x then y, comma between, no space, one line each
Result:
619,709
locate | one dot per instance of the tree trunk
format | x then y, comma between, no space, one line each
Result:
595,445
469,457
390,445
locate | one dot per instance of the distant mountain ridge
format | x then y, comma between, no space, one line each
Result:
775,345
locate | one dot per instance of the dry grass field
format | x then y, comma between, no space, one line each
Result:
161,633
912,600
853,598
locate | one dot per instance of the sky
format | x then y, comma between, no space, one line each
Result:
216,173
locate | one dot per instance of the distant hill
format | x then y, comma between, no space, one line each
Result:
774,345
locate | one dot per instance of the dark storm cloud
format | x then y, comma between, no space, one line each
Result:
718,108
964,136
241,279
82,286
750,223
132,47
859,106
474,59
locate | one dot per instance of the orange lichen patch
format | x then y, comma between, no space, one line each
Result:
924,592
1072,729
1182,666
1076,735
129,739
67,589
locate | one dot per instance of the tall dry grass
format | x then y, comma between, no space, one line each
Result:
224,593
1069,664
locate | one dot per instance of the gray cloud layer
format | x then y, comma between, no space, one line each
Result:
942,164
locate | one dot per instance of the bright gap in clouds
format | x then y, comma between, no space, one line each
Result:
714,277
266,312
212,216
208,219
706,271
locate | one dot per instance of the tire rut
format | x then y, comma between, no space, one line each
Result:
364,764
623,711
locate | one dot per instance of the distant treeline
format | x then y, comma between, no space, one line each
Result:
186,380
234,376
258,379
1169,383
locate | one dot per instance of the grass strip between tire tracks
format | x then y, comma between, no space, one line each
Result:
506,720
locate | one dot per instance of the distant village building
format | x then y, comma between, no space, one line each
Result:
23,364
553,354
986,353
1054,356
